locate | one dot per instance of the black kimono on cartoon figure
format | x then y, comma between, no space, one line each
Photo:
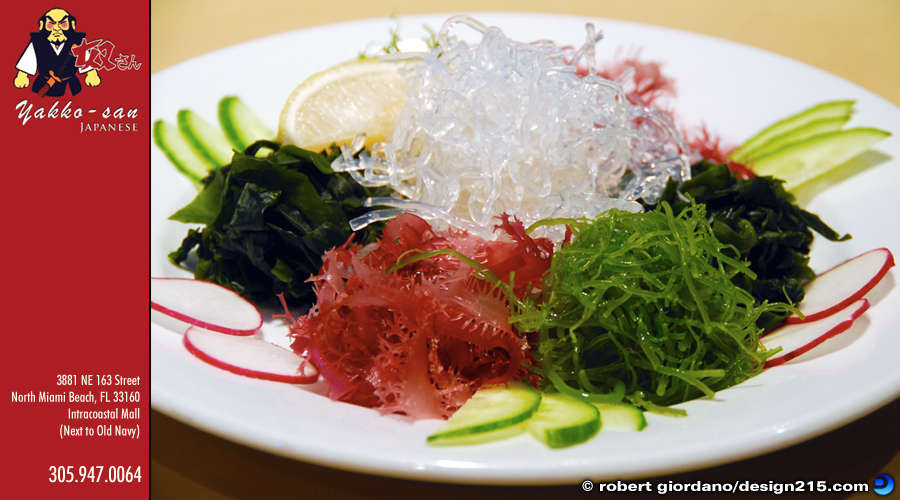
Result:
48,60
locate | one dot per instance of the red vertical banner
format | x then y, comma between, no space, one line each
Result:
75,211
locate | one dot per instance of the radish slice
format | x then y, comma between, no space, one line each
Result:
796,339
204,304
249,356
843,284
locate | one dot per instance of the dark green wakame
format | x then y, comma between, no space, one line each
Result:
760,219
269,218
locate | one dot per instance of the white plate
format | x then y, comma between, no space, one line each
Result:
734,89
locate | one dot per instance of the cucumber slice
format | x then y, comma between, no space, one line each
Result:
801,161
621,417
563,421
492,413
241,126
480,437
175,147
810,129
831,109
207,141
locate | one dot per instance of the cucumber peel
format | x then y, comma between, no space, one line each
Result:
556,419
621,417
195,146
493,412
832,109
815,127
207,141
480,437
241,126
807,145
804,160
563,421
170,141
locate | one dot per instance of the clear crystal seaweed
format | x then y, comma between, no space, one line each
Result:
505,126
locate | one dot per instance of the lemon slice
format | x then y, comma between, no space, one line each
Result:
332,107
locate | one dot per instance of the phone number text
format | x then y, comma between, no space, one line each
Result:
94,474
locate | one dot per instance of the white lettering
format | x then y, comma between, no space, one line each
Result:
24,111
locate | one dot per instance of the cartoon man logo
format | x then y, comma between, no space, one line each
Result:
49,56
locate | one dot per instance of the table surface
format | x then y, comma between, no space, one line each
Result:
857,41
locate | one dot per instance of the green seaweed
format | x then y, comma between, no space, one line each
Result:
760,219
642,307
